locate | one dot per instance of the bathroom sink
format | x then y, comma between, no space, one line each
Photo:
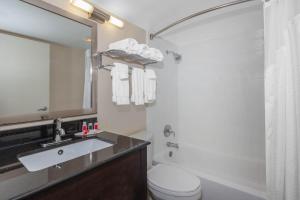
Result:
48,158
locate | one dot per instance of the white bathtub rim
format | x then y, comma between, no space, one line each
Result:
230,184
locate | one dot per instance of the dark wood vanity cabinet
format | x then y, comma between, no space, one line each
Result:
124,178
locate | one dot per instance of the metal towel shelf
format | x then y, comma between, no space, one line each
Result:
123,56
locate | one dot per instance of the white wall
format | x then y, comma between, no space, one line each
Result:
220,87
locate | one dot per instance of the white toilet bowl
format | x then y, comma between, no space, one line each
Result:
166,182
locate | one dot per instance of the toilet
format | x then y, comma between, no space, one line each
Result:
167,182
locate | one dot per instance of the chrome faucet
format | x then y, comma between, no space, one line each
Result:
59,131
173,145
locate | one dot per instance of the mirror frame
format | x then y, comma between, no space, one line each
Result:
37,117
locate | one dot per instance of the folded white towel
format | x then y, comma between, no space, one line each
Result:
137,82
149,86
152,53
120,84
126,45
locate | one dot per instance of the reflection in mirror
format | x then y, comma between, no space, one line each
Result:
45,61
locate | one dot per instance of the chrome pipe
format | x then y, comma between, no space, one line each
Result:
153,35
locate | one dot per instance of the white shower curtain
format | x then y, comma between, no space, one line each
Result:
87,93
282,96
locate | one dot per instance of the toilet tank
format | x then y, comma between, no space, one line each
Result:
144,135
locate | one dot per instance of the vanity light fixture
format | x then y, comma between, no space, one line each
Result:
96,14
83,5
116,22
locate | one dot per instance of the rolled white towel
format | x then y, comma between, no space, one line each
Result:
153,53
140,48
131,46
124,45
156,55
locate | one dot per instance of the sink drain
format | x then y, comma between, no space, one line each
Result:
60,152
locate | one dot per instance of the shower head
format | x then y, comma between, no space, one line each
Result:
176,56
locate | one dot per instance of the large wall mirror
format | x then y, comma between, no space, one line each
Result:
46,65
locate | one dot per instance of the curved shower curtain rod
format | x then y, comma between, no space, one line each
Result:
153,35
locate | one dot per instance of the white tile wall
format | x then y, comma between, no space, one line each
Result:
219,86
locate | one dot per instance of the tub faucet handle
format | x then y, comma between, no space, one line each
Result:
173,145
168,131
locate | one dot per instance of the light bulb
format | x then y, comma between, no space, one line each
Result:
87,7
116,22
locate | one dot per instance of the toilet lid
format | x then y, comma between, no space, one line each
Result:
173,179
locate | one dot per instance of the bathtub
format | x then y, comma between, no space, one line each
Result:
223,177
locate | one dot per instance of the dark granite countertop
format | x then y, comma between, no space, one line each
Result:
17,182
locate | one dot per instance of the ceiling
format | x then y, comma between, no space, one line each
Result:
154,14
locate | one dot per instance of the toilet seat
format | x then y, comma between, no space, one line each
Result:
167,180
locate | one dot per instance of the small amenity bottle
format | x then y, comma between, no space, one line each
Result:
91,128
96,127
84,128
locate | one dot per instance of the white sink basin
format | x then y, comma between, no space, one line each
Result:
45,159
